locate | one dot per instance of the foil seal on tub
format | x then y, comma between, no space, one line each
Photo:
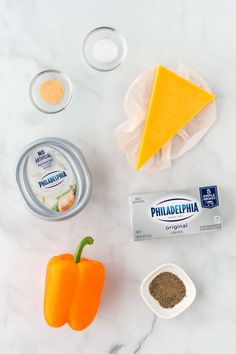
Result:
53,179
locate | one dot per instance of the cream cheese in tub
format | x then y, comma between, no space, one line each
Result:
53,178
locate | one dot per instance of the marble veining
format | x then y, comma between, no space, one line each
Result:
37,35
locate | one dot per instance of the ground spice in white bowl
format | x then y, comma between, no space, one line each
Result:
167,289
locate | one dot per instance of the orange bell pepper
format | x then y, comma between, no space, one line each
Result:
73,289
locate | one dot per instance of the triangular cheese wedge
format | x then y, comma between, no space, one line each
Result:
173,103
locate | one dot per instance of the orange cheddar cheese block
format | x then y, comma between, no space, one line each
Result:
173,103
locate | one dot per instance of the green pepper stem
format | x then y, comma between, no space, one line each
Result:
88,240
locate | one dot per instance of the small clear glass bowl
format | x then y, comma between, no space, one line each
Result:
99,39
39,102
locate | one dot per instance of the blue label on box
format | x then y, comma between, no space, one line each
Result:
209,197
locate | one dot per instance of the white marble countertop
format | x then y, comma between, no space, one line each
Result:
36,35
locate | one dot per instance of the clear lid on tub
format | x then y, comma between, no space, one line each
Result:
53,179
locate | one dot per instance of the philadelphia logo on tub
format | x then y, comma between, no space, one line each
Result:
174,209
52,179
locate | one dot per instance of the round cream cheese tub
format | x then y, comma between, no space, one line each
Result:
53,179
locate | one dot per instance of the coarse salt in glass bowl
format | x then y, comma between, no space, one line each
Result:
104,48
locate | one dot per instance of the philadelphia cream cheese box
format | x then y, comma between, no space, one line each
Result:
184,212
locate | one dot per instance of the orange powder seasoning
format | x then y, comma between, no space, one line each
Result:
52,91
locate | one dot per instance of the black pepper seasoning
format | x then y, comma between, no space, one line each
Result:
167,289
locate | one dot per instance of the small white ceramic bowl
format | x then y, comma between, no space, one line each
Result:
154,304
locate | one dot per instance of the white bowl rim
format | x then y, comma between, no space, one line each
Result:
156,271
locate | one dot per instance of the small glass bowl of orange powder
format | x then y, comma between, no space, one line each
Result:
51,91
